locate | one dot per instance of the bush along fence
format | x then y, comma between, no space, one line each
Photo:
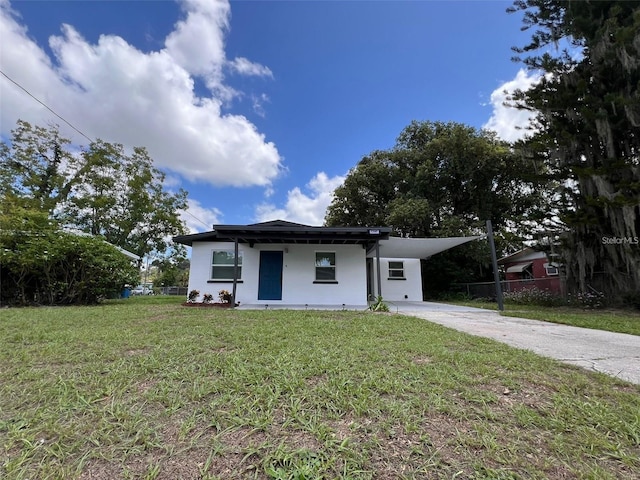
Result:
547,292
58,268
488,289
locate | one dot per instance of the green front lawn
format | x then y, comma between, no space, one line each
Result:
145,388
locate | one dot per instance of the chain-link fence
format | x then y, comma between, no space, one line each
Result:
488,289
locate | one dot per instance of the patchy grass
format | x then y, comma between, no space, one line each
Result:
621,321
147,389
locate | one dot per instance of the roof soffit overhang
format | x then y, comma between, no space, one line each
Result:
396,247
289,234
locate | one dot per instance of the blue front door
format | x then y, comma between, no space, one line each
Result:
270,276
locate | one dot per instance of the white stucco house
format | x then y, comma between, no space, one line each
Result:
283,263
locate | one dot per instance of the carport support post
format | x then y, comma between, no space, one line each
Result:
235,273
494,260
378,268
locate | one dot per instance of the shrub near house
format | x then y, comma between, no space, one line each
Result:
52,267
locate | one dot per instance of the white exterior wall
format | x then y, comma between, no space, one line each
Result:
298,274
409,289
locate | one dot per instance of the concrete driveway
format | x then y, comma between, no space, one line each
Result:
616,354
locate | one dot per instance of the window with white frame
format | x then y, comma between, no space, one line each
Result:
325,266
222,265
396,270
551,269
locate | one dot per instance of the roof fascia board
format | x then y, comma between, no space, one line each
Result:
289,233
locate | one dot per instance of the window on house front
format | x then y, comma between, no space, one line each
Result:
396,270
325,266
222,265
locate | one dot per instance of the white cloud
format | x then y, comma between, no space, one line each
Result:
258,103
113,91
510,123
205,25
172,182
199,218
308,209
244,66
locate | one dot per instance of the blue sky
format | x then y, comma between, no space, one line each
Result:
258,108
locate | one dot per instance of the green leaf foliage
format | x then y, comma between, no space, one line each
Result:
101,189
172,270
43,265
32,166
442,180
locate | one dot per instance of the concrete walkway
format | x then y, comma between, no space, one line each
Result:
616,354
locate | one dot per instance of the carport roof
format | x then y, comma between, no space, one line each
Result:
283,232
395,247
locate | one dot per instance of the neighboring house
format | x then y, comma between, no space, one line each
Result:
529,268
284,263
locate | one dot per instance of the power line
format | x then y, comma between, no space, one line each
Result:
44,104
191,214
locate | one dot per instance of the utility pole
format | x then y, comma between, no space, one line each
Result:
494,261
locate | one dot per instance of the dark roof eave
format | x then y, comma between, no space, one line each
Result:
195,237
289,234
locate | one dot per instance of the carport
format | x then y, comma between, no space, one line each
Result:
420,248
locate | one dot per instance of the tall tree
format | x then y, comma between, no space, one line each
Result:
101,190
37,166
588,104
122,198
441,179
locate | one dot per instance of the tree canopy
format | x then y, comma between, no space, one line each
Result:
99,189
439,180
588,124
